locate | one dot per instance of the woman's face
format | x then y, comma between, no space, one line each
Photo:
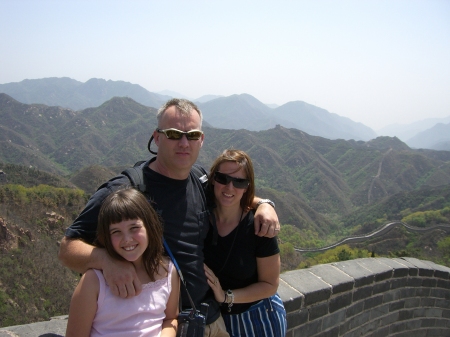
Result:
228,195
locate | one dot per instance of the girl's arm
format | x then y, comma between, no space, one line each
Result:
83,306
267,285
170,323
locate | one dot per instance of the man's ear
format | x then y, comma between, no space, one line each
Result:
156,135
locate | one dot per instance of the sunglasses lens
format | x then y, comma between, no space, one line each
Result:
220,178
224,179
173,134
194,135
240,183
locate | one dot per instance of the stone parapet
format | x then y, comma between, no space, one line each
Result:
375,297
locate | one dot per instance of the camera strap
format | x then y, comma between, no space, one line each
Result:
166,246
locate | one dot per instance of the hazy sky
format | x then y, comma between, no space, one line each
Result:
376,62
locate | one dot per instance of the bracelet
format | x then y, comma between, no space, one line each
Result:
265,201
226,298
230,299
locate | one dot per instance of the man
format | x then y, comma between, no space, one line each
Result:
177,195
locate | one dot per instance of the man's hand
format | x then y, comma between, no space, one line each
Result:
121,277
266,221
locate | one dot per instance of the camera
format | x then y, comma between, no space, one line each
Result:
191,322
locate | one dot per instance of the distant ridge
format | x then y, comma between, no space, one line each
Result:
69,93
375,234
435,138
246,112
232,112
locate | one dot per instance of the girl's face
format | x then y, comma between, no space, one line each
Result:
129,239
228,195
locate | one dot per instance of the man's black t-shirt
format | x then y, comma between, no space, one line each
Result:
182,206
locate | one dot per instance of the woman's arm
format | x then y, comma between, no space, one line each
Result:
83,306
267,285
170,323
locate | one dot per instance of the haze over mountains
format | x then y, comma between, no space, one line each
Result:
324,188
315,178
232,112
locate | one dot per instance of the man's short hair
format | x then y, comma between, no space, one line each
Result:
184,106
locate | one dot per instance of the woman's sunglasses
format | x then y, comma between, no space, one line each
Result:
224,179
177,134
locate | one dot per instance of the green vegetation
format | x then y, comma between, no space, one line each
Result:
340,253
398,243
325,190
428,218
34,286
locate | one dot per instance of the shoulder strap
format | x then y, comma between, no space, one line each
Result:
136,176
168,251
200,173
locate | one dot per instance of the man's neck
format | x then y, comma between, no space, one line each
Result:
158,167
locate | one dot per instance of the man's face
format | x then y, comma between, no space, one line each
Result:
181,154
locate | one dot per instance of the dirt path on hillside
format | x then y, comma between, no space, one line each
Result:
369,194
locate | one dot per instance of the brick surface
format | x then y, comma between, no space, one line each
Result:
380,271
373,302
379,311
375,297
400,269
292,299
381,287
318,310
340,302
361,275
335,277
362,293
424,268
312,287
439,271
412,269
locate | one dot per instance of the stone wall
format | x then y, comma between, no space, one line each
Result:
375,297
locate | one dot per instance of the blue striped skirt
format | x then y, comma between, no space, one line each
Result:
267,318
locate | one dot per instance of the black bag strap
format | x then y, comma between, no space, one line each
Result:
166,246
136,175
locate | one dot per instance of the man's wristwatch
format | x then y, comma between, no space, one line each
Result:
265,201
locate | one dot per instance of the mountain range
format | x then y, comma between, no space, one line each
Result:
52,158
314,179
233,112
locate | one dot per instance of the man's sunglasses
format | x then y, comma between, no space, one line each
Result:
224,179
177,134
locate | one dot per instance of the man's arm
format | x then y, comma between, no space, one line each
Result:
120,275
266,219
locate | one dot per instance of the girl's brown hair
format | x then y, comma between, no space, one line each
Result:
130,204
243,160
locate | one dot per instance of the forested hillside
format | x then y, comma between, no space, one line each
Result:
52,159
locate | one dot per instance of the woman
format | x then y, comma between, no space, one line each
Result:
242,268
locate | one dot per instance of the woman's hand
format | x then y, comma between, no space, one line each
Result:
214,283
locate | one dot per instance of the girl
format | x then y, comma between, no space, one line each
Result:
130,230
244,268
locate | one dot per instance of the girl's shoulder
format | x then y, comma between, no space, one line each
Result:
93,276
90,282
